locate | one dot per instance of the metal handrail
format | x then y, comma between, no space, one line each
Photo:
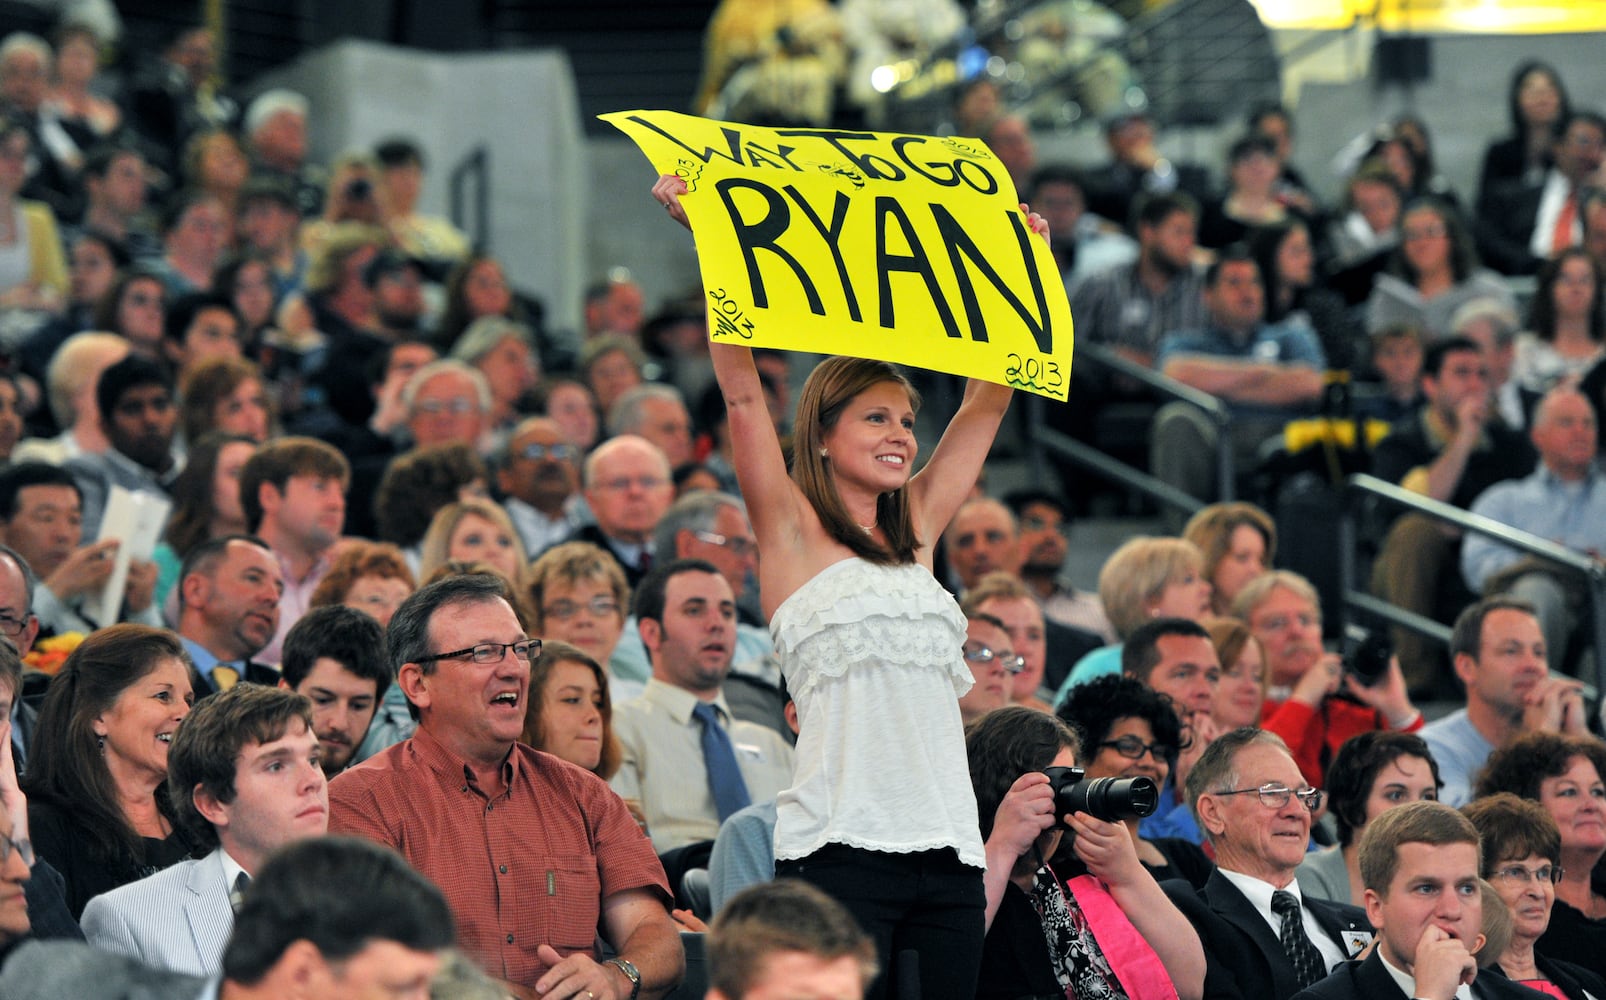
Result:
474,168
1041,437
1362,485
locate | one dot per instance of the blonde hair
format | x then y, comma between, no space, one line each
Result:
1212,528
569,564
1230,636
1136,574
435,550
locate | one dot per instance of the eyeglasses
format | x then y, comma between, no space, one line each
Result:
1132,748
1519,875
23,848
1275,796
741,547
1279,622
453,406
985,654
13,626
599,607
558,452
490,652
626,482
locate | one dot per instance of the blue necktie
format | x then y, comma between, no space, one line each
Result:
724,777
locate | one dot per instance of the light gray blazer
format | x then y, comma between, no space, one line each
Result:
71,970
178,919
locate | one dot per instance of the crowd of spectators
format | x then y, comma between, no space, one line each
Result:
444,577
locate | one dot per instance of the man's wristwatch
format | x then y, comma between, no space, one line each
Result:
623,965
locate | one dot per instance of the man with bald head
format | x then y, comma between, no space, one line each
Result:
539,477
627,485
1561,501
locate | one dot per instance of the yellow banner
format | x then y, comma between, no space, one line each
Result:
902,248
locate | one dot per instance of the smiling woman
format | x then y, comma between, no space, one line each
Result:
96,781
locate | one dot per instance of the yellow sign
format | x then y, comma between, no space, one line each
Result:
902,248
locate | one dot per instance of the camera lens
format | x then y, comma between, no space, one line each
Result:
1109,799
359,189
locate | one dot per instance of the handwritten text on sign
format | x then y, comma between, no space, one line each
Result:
904,248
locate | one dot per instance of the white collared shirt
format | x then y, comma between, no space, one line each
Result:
1551,202
1259,893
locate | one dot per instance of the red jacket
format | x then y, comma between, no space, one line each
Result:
1314,735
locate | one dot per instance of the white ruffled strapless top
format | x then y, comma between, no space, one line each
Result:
873,657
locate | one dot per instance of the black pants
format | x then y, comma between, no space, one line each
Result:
926,906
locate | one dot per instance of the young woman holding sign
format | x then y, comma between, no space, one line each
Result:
881,813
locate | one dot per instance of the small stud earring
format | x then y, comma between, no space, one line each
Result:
825,453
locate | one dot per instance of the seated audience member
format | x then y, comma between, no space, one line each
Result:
1363,239
1261,935
744,852
1371,773
992,662
577,593
713,527
1065,931
335,657
1297,295
40,519
1245,675
245,779
626,483
610,365
570,402
1522,861
1558,502
206,505
198,327
558,830
476,288
1044,521
787,938
658,413
1434,273
1131,307
503,352
1003,596
1265,373
538,477
1238,541
195,230
326,918
1451,451
227,395
570,713
371,577
135,400
1396,361
1499,655
1563,774
1566,324
1137,170
1083,243
1492,325
1285,614
680,725
1420,866
97,769
229,593
293,492
1250,200
1144,579
70,382
1525,225
473,529
427,237
1127,730
419,483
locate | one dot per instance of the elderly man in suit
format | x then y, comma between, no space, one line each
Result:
1420,864
244,774
330,918
1262,938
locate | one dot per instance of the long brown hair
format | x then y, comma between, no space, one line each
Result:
830,387
554,652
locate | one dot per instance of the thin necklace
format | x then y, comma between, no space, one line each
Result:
868,529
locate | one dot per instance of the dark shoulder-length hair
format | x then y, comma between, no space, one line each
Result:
1463,256
1521,765
1514,105
554,652
1005,744
1355,769
1542,310
191,519
1264,243
65,763
830,387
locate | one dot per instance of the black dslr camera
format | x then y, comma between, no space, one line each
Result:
1109,799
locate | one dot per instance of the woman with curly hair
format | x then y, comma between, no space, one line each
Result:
1129,730
371,577
1563,774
